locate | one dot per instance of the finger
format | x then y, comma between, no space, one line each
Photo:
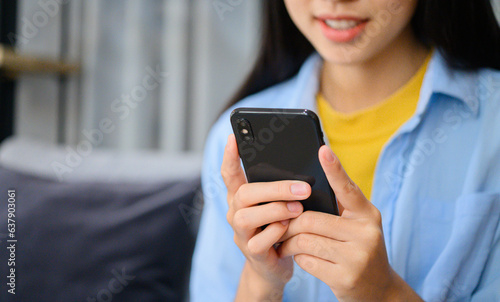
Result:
324,270
322,224
346,191
246,220
260,244
254,193
314,245
231,170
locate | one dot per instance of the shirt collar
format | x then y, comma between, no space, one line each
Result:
439,79
457,84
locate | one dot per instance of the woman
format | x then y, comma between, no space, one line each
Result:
409,97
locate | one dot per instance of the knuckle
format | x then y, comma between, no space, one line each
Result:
280,209
255,249
307,221
377,216
373,235
306,262
252,248
281,189
303,241
334,223
225,175
299,258
337,166
323,251
363,258
240,221
378,236
349,186
302,260
365,222
374,232
349,282
229,217
243,196
238,195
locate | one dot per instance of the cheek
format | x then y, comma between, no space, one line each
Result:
400,12
390,20
298,10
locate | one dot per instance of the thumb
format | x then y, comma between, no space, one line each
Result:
347,192
231,170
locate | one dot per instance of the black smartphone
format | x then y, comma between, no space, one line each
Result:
283,144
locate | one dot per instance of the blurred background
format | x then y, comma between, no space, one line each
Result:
205,46
104,110
202,48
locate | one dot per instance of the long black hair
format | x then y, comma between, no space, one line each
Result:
465,31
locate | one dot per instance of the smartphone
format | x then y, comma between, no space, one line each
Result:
283,144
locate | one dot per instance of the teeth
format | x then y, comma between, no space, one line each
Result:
341,24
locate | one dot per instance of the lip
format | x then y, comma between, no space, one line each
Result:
339,17
341,36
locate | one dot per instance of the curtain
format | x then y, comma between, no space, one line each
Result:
155,74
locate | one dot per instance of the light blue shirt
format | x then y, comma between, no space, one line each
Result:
437,185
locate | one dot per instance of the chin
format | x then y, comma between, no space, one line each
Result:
356,52
343,55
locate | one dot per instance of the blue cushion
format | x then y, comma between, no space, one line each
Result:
99,242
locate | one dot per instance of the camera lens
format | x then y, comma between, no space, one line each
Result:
245,130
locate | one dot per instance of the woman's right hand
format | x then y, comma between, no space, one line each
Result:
247,215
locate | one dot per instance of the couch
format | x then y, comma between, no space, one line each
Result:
106,226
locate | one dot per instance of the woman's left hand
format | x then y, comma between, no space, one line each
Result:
346,252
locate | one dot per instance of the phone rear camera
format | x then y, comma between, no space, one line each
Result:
245,130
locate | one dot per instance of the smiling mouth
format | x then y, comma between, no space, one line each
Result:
342,29
343,24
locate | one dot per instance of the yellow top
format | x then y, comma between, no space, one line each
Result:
357,138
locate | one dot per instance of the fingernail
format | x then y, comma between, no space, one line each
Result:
329,156
293,206
299,189
285,222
